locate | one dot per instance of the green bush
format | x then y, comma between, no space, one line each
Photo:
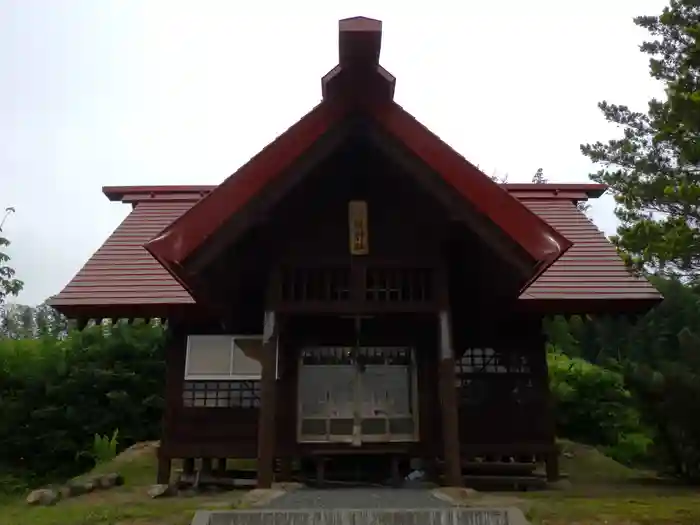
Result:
593,406
56,395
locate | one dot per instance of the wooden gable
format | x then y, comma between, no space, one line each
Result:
357,95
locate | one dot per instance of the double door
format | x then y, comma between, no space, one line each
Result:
357,384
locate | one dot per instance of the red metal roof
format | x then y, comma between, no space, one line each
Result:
591,269
123,274
358,85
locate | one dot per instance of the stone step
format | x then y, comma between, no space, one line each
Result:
436,516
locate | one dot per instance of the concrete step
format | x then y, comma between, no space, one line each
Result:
376,516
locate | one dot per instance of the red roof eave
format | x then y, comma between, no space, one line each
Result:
358,83
179,240
541,241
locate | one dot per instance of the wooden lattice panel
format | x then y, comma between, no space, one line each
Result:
399,284
221,394
488,376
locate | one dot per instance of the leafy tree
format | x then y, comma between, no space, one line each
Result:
538,177
593,406
18,321
654,168
659,358
57,394
9,285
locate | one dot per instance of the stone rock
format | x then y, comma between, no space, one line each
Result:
456,495
78,487
43,497
88,485
161,491
107,481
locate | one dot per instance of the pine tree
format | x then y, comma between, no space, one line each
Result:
654,168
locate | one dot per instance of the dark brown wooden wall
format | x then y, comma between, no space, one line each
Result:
504,407
201,432
405,223
313,219
501,420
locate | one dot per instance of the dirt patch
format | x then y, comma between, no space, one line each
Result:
137,451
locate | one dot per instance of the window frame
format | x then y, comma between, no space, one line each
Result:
231,376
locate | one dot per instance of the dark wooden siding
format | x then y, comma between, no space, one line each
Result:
198,431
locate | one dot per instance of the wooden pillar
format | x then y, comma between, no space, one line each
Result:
448,403
221,467
266,421
164,468
174,379
539,353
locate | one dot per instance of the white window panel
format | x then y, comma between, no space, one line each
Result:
246,355
208,357
223,357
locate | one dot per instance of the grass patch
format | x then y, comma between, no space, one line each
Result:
126,505
586,464
626,506
602,492
605,492
119,507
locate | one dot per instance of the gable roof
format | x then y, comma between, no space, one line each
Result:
122,277
358,85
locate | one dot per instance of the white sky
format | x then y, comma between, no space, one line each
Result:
116,92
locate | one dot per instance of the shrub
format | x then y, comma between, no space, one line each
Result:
593,406
56,395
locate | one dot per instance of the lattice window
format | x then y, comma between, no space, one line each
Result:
221,394
485,375
327,355
392,356
489,361
345,355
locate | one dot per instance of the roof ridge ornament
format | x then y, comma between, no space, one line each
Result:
358,73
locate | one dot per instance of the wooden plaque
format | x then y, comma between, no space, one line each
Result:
358,227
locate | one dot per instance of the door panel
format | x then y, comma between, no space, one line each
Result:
355,394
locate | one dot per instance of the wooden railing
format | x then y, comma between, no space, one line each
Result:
364,286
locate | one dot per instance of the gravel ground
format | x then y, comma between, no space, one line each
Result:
357,498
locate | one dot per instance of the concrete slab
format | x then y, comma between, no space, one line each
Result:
436,516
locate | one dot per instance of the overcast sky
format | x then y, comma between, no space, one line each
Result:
116,92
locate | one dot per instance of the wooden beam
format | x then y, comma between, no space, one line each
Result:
174,378
537,342
256,211
266,421
448,403
459,209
